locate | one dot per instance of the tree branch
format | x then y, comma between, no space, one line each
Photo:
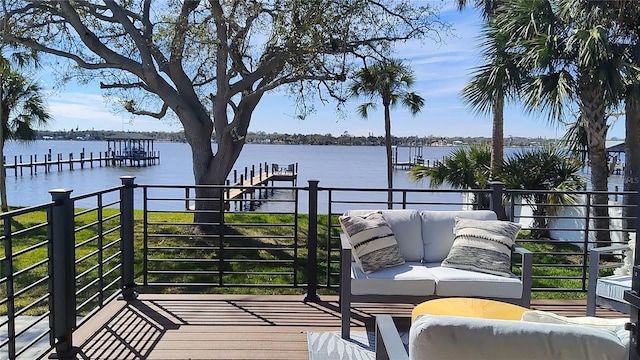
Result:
129,105
138,85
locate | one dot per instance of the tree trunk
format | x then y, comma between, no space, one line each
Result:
593,114
632,160
541,216
3,176
387,143
210,169
497,138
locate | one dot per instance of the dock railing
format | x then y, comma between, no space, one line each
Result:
62,262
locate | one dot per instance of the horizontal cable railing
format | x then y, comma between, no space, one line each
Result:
58,266
561,227
24,267
217,240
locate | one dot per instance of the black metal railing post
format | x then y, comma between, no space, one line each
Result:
62,320
312,244
633,297
495,200
126,238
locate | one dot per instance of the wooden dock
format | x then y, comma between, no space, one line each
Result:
414,157
47,162
244,190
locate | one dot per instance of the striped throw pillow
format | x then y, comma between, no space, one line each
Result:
374,244
482,245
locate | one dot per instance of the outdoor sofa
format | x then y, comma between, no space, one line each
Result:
538,336
424,240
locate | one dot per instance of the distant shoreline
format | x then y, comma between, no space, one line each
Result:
302,139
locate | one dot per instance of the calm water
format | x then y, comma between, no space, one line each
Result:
333,166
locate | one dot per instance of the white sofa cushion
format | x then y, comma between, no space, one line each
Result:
437,230
408,279
613,287
436,337
406,226
547,317
456,282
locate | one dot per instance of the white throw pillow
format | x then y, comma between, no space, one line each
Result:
373,242
546,317
482,245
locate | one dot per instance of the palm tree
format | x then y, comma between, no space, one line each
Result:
21,109
464,168
389,80
487,7
626,14
492,83
549,168
566,48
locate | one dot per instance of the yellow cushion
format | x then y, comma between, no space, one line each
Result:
469,307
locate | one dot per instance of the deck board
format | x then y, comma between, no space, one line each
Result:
236,326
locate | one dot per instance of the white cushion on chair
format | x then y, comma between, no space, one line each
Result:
466,283
613,287
408,279
547,317
439,337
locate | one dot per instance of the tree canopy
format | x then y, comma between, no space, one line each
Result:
211,62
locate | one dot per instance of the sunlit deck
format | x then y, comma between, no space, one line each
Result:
235,326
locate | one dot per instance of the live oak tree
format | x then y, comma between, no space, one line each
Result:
209,63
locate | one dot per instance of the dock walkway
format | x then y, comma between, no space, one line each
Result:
245,190
47,162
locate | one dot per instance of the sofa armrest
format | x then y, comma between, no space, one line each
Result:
388,343
345,286
344,242
594,269
526,271
596,253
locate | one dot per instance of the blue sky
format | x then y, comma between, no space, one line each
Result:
441,71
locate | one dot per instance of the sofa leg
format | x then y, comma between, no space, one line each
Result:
345,319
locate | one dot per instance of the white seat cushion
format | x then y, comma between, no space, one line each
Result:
439,337
613,287
408,279
466,283
547,317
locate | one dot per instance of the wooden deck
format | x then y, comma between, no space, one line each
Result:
235,326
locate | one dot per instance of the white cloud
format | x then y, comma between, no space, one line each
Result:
87,111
